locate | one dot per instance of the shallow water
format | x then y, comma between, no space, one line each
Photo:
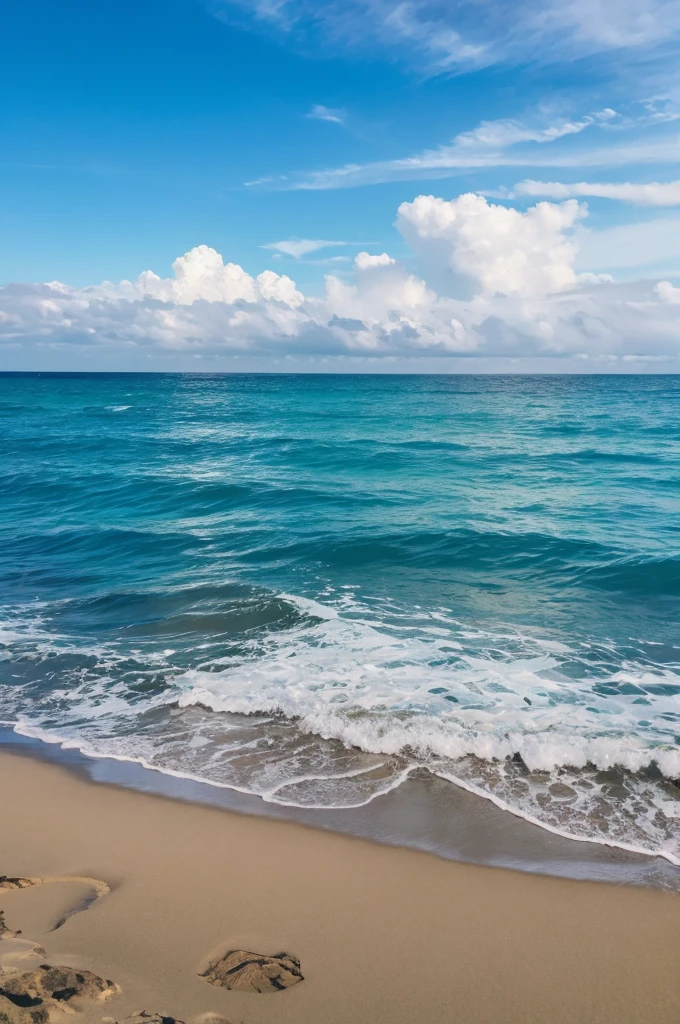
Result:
308,587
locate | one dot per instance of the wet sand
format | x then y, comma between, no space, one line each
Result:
384,935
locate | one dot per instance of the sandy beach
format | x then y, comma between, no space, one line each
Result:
383,935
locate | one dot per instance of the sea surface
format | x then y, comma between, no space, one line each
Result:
310,587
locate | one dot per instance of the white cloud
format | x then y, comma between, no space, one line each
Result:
504,251
510,143
506,132
321,113
278,288
601,139
201,274
652,193
445,35
384,297
598,25
364,261
484,146
441,44
667,293
299,247
524,301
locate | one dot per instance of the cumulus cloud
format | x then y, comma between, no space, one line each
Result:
487,283
383,294
364,261
652,193
668,293
203,274
503,250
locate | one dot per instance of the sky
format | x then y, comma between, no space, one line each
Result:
340,185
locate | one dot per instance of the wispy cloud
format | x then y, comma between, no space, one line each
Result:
639,135
268,180
652,193
500,143
457,35
495,135
300,247
512,143
321,113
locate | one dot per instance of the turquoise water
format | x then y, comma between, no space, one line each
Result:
306,587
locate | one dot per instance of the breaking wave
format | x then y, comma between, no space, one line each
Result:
328,711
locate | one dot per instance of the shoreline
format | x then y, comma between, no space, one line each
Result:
425,813
384,935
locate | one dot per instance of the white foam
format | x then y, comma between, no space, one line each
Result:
449,735
347,680
664,850
31,731
324,675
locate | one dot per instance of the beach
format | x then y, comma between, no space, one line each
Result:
384,935
379,673
340,513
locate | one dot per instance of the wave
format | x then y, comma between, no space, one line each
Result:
560,560
575,806
311,708
599,455
496,561
541,746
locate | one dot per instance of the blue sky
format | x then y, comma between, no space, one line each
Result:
286,135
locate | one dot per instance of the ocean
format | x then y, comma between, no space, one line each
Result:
310,588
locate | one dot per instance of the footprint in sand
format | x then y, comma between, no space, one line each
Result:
36,907
253,972
45,910
142,1017
30,996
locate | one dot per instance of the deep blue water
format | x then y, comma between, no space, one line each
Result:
307,586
